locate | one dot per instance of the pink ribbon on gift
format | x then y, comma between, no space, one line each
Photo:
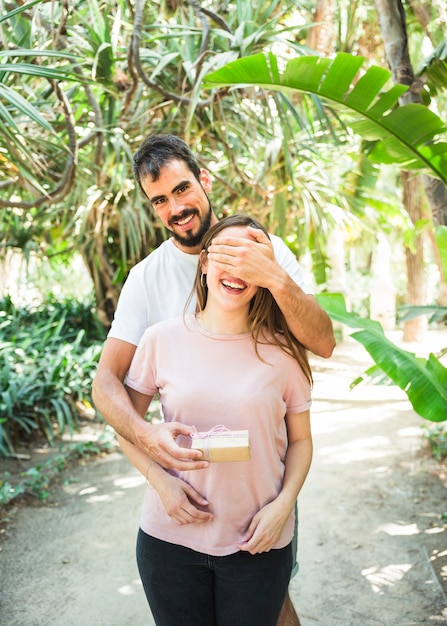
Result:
220,429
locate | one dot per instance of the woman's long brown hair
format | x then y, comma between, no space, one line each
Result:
264,313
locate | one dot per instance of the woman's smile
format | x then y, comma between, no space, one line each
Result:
233,285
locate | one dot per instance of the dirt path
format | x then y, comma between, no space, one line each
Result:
372,546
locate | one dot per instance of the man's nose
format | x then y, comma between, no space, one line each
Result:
175,205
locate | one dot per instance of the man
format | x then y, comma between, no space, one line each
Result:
158,288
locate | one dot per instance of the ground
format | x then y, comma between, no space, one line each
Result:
372,536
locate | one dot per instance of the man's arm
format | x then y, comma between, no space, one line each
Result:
255,263
307,321
178,497
114,404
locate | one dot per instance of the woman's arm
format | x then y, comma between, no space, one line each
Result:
268,523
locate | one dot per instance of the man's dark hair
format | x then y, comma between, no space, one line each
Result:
158,150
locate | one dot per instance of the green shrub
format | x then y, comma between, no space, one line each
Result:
47,360
436,436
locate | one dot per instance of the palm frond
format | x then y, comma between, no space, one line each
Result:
407,135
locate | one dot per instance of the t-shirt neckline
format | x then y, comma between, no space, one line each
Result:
207,333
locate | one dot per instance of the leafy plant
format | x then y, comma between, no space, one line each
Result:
47,362
7,491
423,380
436,436
37,480
408,136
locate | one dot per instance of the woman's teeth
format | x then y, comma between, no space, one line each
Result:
228,283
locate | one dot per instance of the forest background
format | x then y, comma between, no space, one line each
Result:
323,119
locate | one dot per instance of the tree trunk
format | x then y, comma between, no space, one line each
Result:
394,33
414,329
437,197
422,13
106,292
322,35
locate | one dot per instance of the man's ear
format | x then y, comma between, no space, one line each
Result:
203,260
205,180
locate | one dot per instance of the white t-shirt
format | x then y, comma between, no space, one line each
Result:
158,287
206,380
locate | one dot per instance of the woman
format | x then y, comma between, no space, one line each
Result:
214,545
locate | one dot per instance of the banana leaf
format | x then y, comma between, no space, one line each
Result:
436,312
407,135
423,380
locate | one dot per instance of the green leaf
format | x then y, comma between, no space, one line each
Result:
39,70
24,52
437,313
18,102
423,380
406,135
24,7
335,305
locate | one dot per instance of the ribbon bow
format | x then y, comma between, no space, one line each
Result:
220,429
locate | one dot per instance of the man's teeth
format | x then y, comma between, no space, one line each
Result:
185,220
228,283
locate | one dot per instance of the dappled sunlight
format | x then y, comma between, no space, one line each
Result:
121,485
387,576
434,531
374,447
132,589
99,498
337,401
333,416
410,431
87,491
438,558
398,528
129,482
113,484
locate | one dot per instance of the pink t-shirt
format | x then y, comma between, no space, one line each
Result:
205,380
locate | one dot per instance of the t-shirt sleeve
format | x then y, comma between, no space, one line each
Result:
130,320
141,375
287,260
297,393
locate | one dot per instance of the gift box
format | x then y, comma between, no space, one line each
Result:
220,444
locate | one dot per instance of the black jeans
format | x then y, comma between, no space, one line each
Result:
188,588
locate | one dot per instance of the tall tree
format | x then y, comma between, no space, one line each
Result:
81,88
392,22
322,35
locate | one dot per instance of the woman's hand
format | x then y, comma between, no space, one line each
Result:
266,528
181,501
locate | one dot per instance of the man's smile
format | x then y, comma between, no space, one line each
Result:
184,219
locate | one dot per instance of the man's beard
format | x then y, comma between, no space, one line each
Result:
193,240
